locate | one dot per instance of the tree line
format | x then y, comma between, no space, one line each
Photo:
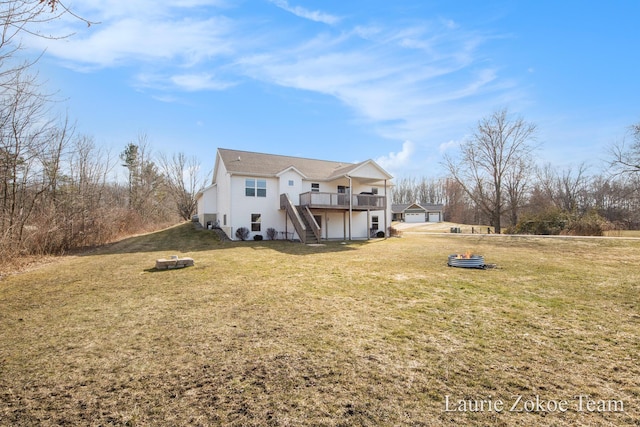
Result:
495,180
59,190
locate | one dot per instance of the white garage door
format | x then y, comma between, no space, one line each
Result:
434,217
414,217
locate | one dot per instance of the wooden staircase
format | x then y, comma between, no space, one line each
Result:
303,222
312,229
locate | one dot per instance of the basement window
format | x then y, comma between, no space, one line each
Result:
256,220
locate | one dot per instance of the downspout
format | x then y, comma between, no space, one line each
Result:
230,225
350,205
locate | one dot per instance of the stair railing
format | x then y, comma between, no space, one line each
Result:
312,222
292,212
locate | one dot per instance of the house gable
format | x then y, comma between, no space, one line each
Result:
414,208
290,169
291,182
370,171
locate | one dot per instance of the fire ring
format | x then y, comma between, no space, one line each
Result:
466,261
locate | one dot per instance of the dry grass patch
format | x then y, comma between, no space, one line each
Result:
277,333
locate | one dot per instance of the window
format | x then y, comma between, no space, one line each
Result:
250,188
255,187
290,183
374,222
315,187
255,222
224,219
374,190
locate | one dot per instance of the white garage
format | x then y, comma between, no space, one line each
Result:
417,212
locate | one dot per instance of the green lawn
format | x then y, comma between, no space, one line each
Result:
374,333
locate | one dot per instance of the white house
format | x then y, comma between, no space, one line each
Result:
305,199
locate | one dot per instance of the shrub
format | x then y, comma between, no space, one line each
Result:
550,222
271,233
257,237
394,232
590,224
242,233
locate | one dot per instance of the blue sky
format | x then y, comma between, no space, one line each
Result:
400,82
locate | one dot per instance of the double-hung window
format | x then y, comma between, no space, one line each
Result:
256,219
375,222
255,187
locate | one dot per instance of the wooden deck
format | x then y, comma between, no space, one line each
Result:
340,201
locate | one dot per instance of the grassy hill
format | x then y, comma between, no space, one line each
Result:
378,333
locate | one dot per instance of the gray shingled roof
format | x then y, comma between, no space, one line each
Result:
239,162
401,207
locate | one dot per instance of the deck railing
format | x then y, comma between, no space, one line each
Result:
314,199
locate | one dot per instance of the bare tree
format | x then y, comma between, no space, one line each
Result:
517,187
183,179
424,190
617,199
403,191
624,158
571,194
498,148
18,17
24,142
457,205
31,144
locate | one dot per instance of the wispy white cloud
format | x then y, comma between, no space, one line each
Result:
403,90
313,15
197,82
187,82
106,11
138,40
405,82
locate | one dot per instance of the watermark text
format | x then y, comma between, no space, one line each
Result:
533,404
